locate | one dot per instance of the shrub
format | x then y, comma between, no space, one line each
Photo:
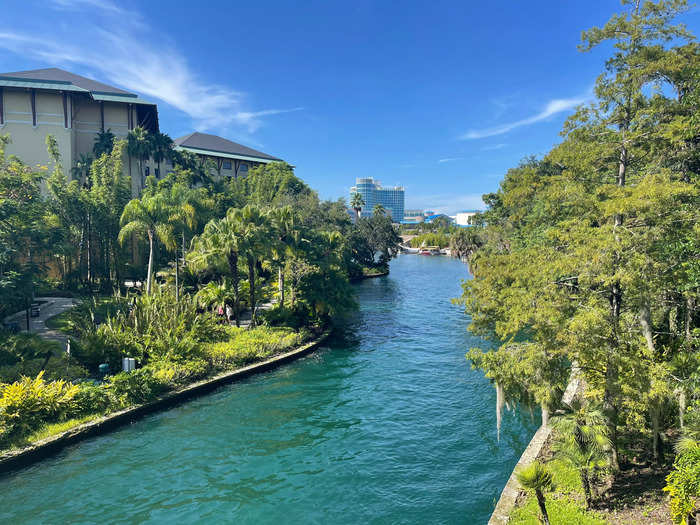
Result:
92,399
28,404
135,387
55,368
247,346
683,484
175,374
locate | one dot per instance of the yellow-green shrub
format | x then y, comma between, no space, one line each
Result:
27,404
247,346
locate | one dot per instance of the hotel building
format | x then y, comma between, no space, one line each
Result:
372,192
72,108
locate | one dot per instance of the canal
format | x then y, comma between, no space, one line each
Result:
386,423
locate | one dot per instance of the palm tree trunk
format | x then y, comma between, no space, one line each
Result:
233,268
150,262
251,295
280,283
177,277
543,508
585,482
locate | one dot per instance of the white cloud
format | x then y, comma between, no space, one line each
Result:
105,5
128,58
449,159
493,147
552,108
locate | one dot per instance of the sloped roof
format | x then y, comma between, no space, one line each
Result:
215,144
54,74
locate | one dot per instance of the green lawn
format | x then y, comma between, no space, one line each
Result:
565,504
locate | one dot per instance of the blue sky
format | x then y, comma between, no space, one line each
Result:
440,97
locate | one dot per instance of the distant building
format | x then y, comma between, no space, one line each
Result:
464,218
230,159
430,218
372,192
72,108
413,216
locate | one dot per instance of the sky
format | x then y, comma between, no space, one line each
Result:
441,97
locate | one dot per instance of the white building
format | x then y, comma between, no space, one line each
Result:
464,218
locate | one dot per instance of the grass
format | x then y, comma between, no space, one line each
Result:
371,272
565,504
59,322
50,430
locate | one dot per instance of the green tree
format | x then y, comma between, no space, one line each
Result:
537,478
104,143
148,216
139,145
357,202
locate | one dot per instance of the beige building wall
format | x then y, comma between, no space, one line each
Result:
28,141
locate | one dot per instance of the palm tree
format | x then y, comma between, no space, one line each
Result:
221,239
287,238
215,294
582,440
186,206
536,477
148,216
104,142
139,146
161,148
379,209
81,170
255,229
357,202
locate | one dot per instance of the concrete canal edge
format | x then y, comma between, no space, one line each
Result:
20,458
534,450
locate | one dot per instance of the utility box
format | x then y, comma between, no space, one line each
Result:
128,364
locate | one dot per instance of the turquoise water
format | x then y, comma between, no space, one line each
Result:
387,423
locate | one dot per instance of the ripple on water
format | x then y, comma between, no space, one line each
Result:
387,424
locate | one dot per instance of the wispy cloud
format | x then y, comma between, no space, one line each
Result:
449,159
493,147
105,5
552,108
129,58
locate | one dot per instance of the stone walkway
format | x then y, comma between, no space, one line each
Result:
37,325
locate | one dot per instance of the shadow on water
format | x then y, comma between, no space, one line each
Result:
387,423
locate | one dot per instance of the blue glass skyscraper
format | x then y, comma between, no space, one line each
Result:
392,199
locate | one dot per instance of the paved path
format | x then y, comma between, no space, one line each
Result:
245,316
37,325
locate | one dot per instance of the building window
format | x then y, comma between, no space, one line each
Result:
243,168
227,165
148,171
157,172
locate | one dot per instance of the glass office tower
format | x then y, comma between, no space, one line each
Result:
372,193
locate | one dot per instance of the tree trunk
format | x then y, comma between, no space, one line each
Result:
543,508
89,251
150,262
545,415
280,284
585,482
645,323
177,277
682,401
251,288
233,268
689,310
655,416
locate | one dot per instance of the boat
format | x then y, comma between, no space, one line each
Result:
430,250
408,249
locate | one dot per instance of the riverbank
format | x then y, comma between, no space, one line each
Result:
386,421
24,456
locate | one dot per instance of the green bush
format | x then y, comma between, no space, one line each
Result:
176,374
683,484
92,399
28,404
135,387
55,368
247,346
